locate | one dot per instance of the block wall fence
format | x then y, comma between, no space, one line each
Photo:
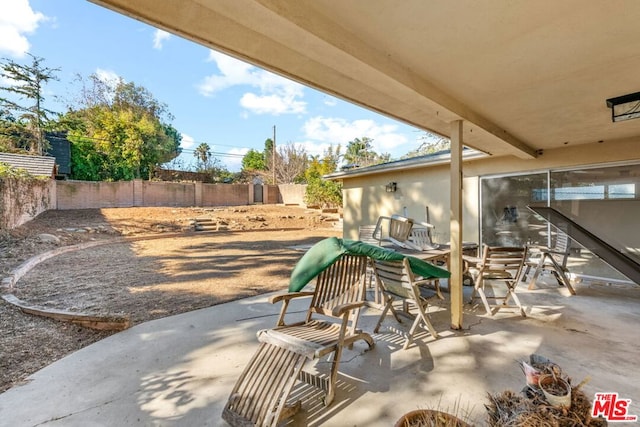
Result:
18,206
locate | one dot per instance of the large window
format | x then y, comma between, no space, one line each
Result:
506,220
604,200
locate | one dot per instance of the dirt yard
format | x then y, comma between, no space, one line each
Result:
248,252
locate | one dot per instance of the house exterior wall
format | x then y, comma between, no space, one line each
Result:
365,198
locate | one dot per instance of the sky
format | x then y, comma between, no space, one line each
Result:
215,99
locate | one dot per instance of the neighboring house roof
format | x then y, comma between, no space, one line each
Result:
60,148
35,165
433,159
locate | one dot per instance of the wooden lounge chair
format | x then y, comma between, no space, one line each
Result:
498,265
398,283
553,260
260,395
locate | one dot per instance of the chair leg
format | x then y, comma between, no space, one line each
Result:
511,293
561,277
536,273
331,386
387,307
485,302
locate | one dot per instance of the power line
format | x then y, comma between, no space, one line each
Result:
183,150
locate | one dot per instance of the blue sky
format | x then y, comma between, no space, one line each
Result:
230,105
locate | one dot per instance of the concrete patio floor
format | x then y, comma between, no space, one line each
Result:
179,371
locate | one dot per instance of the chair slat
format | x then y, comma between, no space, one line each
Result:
259,396
503,265
397,282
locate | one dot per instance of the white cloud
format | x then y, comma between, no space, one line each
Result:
273,104
159,36
16,21
335,131
330,102
187,141
234,162
315,148
275,95
110,77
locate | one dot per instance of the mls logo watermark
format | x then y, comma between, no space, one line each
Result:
612,408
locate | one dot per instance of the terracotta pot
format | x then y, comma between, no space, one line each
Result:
428,417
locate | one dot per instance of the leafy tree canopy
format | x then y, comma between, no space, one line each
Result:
360,152
319,190
118,132
429,144
253,160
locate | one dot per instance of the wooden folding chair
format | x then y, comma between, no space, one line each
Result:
329,325
497,265
398,283
394,230
553,260
420,237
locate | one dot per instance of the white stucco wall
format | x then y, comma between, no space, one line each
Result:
365,198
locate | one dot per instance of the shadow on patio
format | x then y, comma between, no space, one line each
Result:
179,370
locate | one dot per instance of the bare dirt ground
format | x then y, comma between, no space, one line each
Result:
174,271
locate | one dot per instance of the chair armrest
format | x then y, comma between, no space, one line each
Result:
289,296
424,224
339,310
472,260
551,251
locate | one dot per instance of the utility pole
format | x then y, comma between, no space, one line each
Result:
273,155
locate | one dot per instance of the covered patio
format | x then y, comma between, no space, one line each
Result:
179,370
526,83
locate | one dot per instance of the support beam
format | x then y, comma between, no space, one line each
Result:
455,261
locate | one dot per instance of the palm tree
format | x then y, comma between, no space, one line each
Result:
203,154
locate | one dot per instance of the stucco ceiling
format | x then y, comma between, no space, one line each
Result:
523,75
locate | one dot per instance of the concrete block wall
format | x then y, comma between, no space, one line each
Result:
292,194
225,194
20,204
167,194
23,200
94,195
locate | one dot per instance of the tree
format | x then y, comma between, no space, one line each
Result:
360,153
290,163
27,84
203,154
119,132
253,161
319,190
429,144
14,136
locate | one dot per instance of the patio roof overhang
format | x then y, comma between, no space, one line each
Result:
503,77
523,76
